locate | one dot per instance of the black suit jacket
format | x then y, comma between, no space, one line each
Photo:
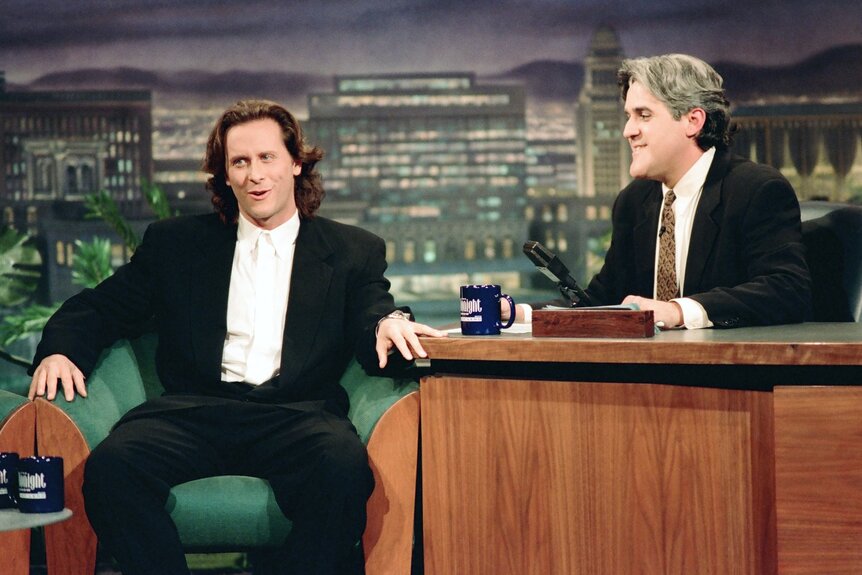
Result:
746,262
179,279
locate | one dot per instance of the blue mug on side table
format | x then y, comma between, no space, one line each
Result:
480,310
8,480
40,484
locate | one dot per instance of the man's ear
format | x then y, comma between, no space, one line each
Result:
695,120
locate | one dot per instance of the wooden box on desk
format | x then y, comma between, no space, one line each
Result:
593,322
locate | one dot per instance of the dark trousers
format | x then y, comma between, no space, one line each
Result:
313,459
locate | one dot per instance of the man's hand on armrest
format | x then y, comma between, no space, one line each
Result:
57,368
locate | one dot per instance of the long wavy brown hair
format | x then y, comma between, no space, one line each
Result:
308,187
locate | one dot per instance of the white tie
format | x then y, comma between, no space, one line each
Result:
265,339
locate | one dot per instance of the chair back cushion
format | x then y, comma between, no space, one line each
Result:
833,240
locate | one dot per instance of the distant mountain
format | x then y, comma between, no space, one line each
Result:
836,72
190,85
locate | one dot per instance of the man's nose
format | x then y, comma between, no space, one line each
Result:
254,172
629,130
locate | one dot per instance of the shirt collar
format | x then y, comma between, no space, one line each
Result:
283,237
692,182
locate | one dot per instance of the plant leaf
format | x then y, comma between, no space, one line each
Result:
102,205
92,262
20,268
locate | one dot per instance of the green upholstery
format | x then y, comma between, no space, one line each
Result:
9,402
228,512
14,379
14,384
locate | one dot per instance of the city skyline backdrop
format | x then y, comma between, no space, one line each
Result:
450,185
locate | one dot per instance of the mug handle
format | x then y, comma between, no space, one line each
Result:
511,311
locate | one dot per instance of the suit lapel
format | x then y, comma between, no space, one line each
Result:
705,228
309,284
211,269
644,239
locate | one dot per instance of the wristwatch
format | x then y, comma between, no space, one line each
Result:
397,314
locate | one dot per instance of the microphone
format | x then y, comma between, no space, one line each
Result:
549,264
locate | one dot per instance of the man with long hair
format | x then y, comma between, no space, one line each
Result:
258,309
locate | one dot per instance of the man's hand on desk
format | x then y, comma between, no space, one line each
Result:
523,312
669,313
404,335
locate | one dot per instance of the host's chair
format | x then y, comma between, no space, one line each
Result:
17,434
832,234
232,513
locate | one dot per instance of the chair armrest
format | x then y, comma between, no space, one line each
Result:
113,388
370,396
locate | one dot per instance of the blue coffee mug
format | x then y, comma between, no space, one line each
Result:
40,484
8,480
480,310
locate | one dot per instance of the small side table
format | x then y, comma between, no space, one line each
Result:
16,556
12,519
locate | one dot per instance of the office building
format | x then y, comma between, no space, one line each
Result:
58,147
603,153
433,163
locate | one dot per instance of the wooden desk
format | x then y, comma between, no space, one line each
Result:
692,452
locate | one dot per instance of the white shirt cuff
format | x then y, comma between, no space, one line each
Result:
528,312
693,314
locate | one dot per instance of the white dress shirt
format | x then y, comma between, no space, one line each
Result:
688,191
247,358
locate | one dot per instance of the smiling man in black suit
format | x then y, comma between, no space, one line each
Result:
701,237
258,309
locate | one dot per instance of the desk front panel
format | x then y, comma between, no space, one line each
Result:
566,478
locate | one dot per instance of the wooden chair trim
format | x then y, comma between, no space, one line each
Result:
393,452
17,434
70,546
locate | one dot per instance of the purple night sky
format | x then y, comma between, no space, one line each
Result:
380,36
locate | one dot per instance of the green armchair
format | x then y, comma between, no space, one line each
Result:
231,513
17,434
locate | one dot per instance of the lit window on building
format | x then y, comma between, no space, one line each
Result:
390,251
32,218
508,248
70,254
550,242
118,255
61,253
490,248
470,249
605,212
591,213
429,254
409,251
9,216
562,213
562,242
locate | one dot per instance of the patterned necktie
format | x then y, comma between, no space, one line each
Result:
667,286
